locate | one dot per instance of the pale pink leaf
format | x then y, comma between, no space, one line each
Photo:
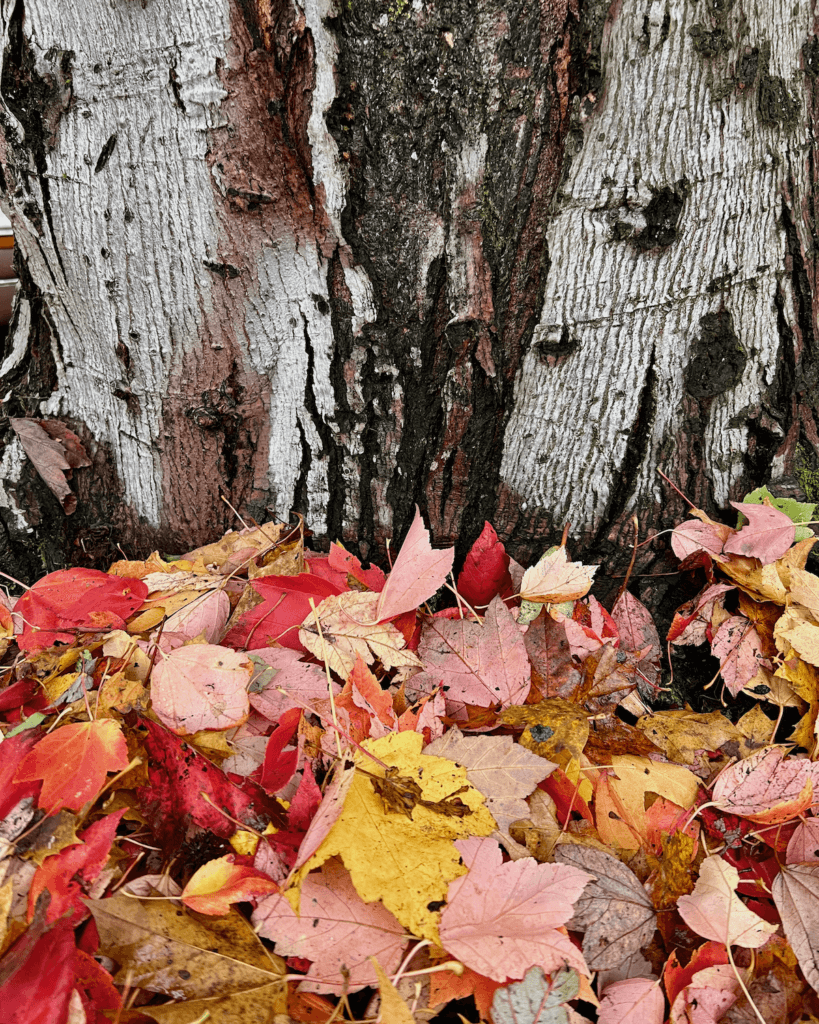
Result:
803,847
328,812
201,686
633,1001
638,632
208,614
692,536
712,992
278,669
737,646
480,665
714,911
767,535
766,787
418,572
691,620
336,929
499,918
795,892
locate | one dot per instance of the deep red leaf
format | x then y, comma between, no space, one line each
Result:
280,766
486,569
38,990
12,752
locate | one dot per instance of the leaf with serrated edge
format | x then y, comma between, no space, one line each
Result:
556,579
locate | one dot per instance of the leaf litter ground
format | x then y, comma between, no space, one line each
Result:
262,784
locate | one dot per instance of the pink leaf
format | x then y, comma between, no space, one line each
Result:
714,910
712,992
692,619
486,570
766,787
201,686
345,561
480,665
767,535
208,613
803,847
632,1001
329,810
302,683
737,645
693,535
638,632
336,930
499,918
418,572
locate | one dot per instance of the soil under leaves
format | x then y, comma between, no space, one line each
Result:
258,783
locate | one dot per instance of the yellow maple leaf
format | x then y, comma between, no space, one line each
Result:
407,862
347,628
637,776
556,579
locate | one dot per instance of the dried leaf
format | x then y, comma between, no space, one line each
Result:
766,787
739,650
555,579
537,999
393,1008
54,451
714,911
614,911
795,892
632,1001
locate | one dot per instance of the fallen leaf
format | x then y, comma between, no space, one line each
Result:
714,911
73,763
445,986
417,573
37,977
632,1001
695,535
504,771
803,846
344,561
485,574
638,633
711,993
614,912
207,616
329,810
162,948
766,787
796,629
555,579
554,729
692,619
336,930
637,776
201,686
537,999
348,629
550,653
54,451
219,883
480,665
277,669
393,1008
797,511
739,650
499,917
405,861
681,733
767,535
279,766
795,893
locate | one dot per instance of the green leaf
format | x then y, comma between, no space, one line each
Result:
797,511
27,723
538,999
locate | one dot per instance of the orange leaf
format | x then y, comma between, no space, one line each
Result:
73,763
221,882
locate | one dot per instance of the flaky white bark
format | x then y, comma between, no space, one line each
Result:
663,119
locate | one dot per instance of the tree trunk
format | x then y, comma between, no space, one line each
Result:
501,258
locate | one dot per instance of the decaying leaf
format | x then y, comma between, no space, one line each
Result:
54,451
614,912
538,999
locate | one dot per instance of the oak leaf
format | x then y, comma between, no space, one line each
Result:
73,762
417,573
500,917
201,686
405,861
614,912
714,911
555,579
348,628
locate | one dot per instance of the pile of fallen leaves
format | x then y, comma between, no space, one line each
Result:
260,784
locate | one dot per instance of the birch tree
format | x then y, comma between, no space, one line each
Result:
503,259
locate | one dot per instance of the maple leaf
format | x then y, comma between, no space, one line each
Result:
349,629
206,615
550,653
486,570
336,930
279,766
405,861
277,669
499,917
696,535
417,573
221,882
638,776
201,686
803,846
329,810
537,999
632,1001
708,996
614,911
795,892
342,560
767,535
766,787
714,911
737,645
680,733
37,977
637,632
54,451
504,771
73,762
480,665
692,619
555,579
392,1008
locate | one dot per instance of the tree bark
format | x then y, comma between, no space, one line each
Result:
504,259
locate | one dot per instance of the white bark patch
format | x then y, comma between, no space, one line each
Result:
12,461
121,261
668,115
469,285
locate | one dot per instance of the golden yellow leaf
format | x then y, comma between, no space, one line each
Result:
680,733
349,630
120,693
143,621
795,558
762,583
636,776
756,729
554,728
673,878
406,862
804,590
244,543
393,1007
555,578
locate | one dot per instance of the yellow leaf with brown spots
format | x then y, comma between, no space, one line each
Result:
674,874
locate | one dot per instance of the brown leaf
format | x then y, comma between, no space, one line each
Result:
548,648
54,451
614,912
